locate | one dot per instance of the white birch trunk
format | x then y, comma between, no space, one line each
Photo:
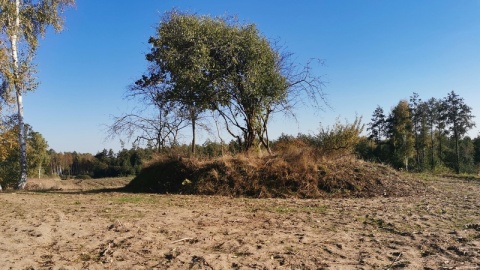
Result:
21,127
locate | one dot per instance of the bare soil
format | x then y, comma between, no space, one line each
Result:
77,225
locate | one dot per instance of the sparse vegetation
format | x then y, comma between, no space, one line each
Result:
294,172
435,229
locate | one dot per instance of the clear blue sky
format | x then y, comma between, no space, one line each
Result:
376,52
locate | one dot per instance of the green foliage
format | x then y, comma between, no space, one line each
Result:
104,164
200,63
402,139
341,139
215,64
10,156
378,125
425,135
466,159
459,117
476,147
38,157
9,170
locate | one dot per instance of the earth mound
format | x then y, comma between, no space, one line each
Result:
300,175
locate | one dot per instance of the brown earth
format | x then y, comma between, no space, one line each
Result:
72,226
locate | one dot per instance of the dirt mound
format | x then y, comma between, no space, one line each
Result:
298,174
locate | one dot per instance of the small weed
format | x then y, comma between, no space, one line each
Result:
289,250
85,257
218,247
243,254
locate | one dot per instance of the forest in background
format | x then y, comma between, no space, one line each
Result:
415,135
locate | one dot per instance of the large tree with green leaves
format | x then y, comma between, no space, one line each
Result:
253,84
22,22
181,65
217,64
459,118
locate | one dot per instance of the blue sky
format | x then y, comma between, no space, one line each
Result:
376,52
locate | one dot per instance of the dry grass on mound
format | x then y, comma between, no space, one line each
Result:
293,173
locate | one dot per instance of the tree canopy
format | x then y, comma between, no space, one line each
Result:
201,64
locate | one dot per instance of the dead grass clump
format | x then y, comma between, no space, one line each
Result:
295,172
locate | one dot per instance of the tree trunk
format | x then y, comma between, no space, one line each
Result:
21,126
406,163
457,151
249,132
23,145
417,146
193,119
249,137
263,136
440,150
433,149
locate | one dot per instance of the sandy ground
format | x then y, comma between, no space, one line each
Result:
67,229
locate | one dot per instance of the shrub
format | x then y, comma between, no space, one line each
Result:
341,139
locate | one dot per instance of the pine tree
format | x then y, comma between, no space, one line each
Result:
459,118
378,125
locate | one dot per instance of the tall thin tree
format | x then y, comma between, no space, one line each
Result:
433,116
22,22
402,138
459,117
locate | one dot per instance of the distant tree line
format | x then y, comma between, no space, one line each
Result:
45,162
424,135
104,164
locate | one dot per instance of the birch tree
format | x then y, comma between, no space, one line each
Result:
402,138
22,22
